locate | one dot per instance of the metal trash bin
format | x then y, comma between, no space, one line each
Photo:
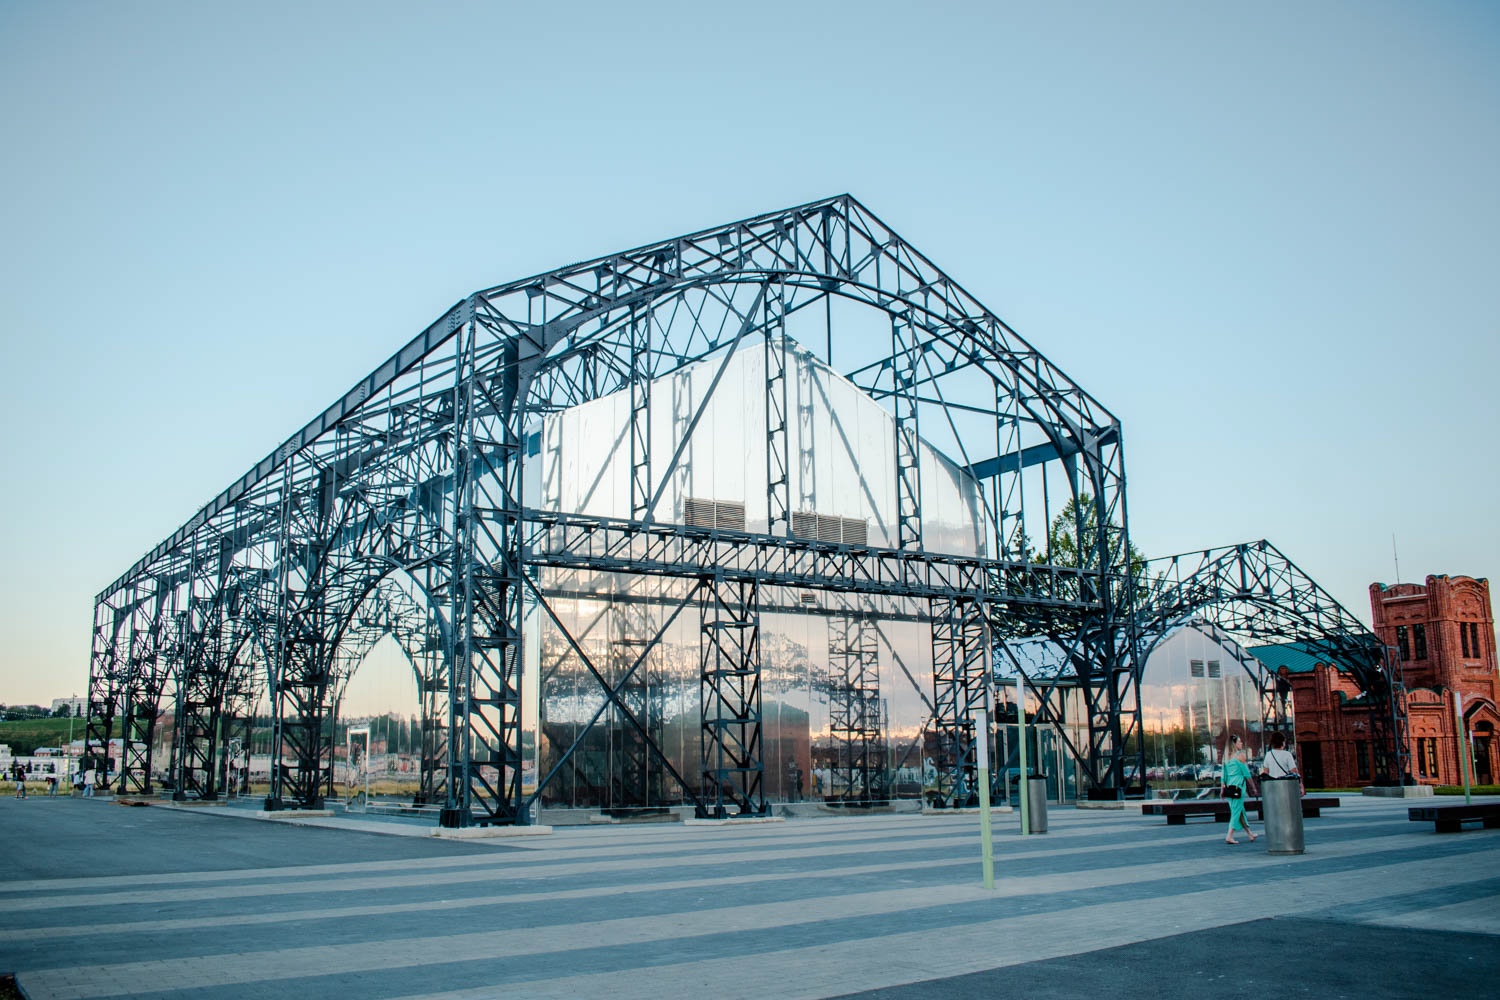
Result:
1281,809
1036,804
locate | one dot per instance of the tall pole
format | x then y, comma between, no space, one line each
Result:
1025,782
982,742
1464,748
68,753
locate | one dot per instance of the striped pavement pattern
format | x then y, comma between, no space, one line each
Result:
824,906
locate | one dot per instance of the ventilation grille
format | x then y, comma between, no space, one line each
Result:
827,528
713,514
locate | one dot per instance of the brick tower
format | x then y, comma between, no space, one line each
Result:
1443,632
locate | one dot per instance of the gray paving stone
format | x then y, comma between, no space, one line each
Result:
825,906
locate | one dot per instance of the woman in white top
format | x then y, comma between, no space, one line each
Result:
1280,762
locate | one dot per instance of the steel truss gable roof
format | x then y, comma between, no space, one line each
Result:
777,245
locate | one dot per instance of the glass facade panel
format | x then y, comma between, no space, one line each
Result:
846,679
1195,692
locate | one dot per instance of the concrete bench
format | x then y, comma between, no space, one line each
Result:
1177,812
1450,819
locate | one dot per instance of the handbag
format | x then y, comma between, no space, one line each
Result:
1233,791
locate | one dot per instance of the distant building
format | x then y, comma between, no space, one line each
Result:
1443,633
37,767
75,705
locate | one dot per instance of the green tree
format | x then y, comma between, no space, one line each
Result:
1072,540
1075,531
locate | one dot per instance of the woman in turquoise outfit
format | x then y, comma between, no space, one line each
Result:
1237,773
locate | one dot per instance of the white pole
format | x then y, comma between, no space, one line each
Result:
982,743
68,753
1025,782
1463,741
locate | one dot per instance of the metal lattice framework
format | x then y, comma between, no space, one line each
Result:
1252,591
419,474
855,725
392,610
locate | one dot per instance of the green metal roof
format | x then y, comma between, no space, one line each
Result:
1292,655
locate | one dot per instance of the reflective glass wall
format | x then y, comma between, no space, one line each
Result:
1048,750
644,637
820,652
1195,692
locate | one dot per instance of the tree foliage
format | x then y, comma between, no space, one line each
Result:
1073,539
1075,531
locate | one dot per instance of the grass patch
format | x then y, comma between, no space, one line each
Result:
25,735
1473,789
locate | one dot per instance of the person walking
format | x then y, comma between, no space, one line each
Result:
88,783
1237,779
20,776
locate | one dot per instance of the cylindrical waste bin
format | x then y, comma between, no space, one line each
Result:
1281,808
1036,804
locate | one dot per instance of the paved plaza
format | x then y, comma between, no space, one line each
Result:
102,900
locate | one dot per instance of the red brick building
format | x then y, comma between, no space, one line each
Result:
1443,632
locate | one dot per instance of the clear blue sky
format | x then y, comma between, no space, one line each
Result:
1267,236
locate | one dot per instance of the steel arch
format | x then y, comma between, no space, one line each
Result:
1253,590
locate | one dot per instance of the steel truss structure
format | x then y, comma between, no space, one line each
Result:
1252,591
419,498
855,708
